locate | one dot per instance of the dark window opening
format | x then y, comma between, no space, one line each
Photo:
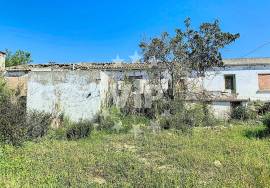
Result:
230,82
236,104
135,77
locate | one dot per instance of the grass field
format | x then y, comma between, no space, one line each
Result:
219,157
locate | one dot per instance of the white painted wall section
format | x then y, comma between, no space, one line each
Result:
247,84
221,110
76,94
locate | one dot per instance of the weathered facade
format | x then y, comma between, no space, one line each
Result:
241,81
76,94
79,90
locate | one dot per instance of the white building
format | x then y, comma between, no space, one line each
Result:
241,80
80,90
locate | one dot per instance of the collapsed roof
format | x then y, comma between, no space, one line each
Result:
126,66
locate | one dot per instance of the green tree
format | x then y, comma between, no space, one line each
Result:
20,57
188,52
184,58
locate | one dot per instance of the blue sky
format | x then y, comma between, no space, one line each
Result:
80,31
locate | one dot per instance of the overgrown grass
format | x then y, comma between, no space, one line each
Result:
209,157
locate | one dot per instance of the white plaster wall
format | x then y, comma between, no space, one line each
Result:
221,110
247,85
65,92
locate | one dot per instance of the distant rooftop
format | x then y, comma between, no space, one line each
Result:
246,61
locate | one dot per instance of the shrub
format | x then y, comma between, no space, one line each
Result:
200,115
192,115
182,122
38,124
257,108
70,130
266,120
130,120
110,119
58,134
79,130
184,116
5,93
114,120
105,122
12,123
265,108
243,113
164,122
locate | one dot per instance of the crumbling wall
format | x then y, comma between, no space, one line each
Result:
17,82
124,87
118,90
76,94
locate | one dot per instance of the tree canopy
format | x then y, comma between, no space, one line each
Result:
187,52
20,57
189,49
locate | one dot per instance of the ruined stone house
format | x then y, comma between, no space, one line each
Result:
80,90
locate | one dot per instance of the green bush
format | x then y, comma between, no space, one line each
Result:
265,108
164,122
38,124
108,118
79,130
69,130
243,113
12,116
57,134
5,93
200,114
185,117
195,115
130,120
266,120
113,120
105,123
182,122
12,123
15,125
